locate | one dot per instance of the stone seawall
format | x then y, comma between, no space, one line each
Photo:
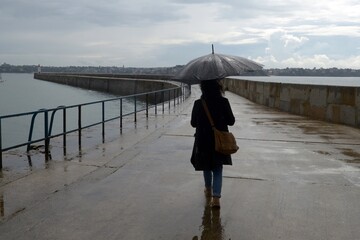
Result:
329,103
122,85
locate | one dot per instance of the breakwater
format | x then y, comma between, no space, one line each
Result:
335,104
122,85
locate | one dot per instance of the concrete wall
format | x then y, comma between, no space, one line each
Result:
120,84
329,103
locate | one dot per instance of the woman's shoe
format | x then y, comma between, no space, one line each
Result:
208,192
215,203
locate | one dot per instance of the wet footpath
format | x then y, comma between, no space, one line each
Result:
292,178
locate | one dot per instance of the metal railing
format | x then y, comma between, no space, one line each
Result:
149,100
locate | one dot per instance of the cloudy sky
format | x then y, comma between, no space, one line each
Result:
161,33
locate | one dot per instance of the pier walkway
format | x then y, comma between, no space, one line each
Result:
293,178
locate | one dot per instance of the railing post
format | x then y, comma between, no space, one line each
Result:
178,95
121,115
28,148
1,165
103,121
46,131
147,105
135,108
52,121
169,99
79,126
183,93
64,131
174,97
155,105
163,101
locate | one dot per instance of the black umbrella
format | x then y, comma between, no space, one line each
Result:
215,66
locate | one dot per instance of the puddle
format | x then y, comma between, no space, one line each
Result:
323,152
355,160
351,153
2,208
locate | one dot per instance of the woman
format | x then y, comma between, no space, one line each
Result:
204,157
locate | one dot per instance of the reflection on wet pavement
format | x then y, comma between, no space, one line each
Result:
351,153
211,226
2,209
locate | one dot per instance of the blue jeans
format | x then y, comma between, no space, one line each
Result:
213,179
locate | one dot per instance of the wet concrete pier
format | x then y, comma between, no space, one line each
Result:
293,178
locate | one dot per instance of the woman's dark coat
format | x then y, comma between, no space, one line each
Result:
204,156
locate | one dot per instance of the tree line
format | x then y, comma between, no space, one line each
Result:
333,72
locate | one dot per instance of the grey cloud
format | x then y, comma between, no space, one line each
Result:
330,46
78,14
171,55
83,31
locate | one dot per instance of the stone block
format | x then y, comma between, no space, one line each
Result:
317,112
271,102
333,113
259,87
342,95
357,97
285,92
284,105
266,91
295,106
318,96
348,115
300,92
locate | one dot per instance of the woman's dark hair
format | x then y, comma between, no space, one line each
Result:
211,88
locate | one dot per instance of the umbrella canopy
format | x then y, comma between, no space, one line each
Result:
215,66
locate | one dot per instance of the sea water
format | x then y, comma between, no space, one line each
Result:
21,93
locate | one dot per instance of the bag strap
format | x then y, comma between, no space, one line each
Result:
207,112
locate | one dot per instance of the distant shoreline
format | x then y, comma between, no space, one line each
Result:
313,72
